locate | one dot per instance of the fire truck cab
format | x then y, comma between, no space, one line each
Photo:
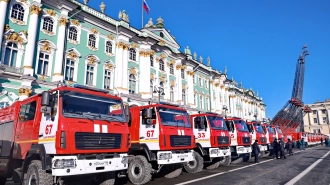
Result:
162,140
240,146
270,135
258,133
63,134
212,142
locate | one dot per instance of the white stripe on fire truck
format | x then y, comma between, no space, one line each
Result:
97,128
179,132
104,128
182,131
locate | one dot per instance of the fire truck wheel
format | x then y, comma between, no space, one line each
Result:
3,180
35,175
139,170
247,157
172,171
107,178
225,161
213,165
196,165
237,160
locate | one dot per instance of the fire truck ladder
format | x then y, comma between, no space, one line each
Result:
291,115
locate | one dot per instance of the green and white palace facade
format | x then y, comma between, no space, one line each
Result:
51,41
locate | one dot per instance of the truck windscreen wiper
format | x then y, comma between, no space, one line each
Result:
71,114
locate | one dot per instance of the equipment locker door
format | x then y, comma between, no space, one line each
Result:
24,127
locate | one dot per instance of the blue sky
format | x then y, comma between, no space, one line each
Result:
258,40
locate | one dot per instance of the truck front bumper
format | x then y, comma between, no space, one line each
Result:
263,148
219,152
243,149
169,157
72,165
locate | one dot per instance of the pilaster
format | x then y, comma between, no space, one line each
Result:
124,72
3,11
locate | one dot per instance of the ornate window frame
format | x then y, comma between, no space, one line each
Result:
74,55
26,5
49,48
110,66
75,24
50,14
94,61
136,54
96,33
134,71
113,45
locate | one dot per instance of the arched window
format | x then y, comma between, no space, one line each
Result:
151,61
92,40
107,79
201,101
48,24
161,88
132,54
69,70
161,34
171,69
172,94
43,64
17,12
108,47
207,103
73,34
89,75
161,65
182,73
200,82
11,54
132,84
184,96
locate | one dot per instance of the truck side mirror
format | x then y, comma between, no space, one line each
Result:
127,112
45,103
147,113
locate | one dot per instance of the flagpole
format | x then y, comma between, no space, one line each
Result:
142,14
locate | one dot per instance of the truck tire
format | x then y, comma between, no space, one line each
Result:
3,180
196,165
247,157
106,178
237,160
139,170
225,161
172,171
35,175
213,165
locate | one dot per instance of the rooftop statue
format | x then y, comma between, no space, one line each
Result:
187,51
123,16
208,61
150,23
160,23
103,7
225,71
201,59
195,56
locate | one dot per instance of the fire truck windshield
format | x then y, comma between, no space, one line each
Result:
259,128
278,130
82,105
217,123
271,130
241,125
173,117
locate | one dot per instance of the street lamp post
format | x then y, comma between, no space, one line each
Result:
225,109
160,91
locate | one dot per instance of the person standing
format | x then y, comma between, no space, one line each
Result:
289,145
282,148
275,149
256,151
294,143
321,141
302,144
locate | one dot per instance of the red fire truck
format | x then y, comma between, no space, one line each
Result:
162,140
212,142
64,134
258,133
270,135
240,146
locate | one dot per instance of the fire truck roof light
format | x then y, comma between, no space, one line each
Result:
90,88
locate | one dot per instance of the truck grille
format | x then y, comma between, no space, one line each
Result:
223,140
263,140
180,140
97,141
246,140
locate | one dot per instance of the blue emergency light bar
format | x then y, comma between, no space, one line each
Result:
90,88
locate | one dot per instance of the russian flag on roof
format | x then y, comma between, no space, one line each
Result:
145,6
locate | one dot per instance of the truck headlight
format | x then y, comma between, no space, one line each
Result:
215,151
165,156
240,149
65,163
124,160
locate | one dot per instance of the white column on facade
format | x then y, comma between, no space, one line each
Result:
119,67
179,82
190,92
212,102
145,73
3,11
167,84
32,34
124,69
60,50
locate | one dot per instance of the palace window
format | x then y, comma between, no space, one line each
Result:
161,65
48,24
182,73
200,81
324,119
207,103
107,79
69,70
73,34
11,54
205,82
201,101
151,61
17,12
172,94
314,111
171,69
132,84
89,75
92,40
151,87
132,54
315,120
43,64
108,47
184,97
161,89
